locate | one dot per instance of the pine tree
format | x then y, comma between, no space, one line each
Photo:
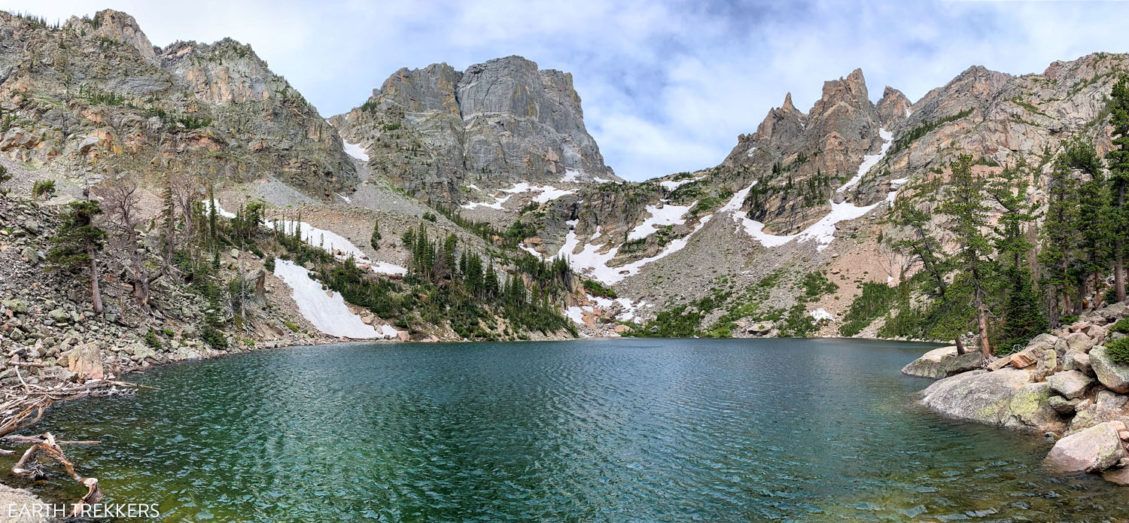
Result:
1022,316
1093,228
1058,239
374,240
1119,179
168,220
5,177
491,285
213,213
967,221
77,243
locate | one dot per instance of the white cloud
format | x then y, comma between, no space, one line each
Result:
667,86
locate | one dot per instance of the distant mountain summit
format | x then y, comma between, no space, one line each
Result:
450,137
95,96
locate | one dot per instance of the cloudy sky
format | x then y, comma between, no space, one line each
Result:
667,85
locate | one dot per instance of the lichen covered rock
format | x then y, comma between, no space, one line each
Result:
943,362
1092,450
1005,398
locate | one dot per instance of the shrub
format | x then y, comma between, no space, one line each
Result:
292,326
430,216
43,187
596,288
872,303
152,340
815,285
1121,326
213,336
1118,351
268,264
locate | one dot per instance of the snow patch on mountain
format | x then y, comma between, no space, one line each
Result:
546,193
822,231
659,217
592,262
326,310
355,150
870,160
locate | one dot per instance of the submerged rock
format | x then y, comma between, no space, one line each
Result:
943,362
1092,450
1115,377
1005,398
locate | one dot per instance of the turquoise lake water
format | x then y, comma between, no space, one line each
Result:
641,430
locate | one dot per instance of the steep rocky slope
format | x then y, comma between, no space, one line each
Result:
94,96
810,192
477,137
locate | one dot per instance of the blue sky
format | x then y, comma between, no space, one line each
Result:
667,85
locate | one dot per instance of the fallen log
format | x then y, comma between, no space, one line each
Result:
22,407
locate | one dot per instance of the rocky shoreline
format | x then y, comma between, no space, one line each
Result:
1063,385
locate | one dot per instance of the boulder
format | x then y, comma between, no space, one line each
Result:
943,362
1062,405
1119,476
85,361
760,328
1071,384
15,305
1005,398
1106,406
1079,342
1114,376
1092,450
59,316
1023,359
1115,312
1041,342
1079,361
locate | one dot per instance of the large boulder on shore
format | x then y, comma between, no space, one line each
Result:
1114,376
943,362
1092,450
1071,384
1006,398
85,361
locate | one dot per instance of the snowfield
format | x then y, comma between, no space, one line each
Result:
821,314
822,231
355,150
329,241
870,160
659,217
547,193
571,176
326,310
592,262
671,185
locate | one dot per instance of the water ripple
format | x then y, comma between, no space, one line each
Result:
626,430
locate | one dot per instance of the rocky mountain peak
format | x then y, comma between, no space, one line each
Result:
495,124
844,92
893,107
121,27
788,106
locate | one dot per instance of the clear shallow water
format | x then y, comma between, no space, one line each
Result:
586,430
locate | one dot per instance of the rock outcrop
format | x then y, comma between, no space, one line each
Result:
943,362
94,96
449,137
1005,398
1092,450
1113,376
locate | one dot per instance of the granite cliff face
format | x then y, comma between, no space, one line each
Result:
94,96
451,137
